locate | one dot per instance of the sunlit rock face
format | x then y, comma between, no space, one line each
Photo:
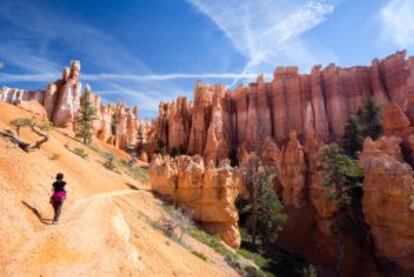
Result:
206,191
61,103
388,202
221,120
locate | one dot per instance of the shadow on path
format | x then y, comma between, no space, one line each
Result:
37,214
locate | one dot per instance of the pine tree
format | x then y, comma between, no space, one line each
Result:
270,215
366,123
343,178
265,211
369,118
87,114
115,123
352,140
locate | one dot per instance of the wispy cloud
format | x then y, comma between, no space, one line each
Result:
397,19
45,77
39,37
270,32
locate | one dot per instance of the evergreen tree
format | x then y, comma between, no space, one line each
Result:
87,114
270,216
264,211
352,140
115,123
343,178
366,123
369,118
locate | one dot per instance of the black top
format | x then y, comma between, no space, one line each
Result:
59,186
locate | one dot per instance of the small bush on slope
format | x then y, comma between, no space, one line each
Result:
200,255
80,152
55,157
213,241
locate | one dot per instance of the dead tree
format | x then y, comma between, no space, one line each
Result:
15,138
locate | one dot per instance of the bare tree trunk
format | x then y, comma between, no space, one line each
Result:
15,139
25,146
44,136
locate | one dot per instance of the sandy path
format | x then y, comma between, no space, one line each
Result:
91,227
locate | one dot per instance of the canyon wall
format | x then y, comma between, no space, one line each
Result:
222,120
61,103
287,122
207,192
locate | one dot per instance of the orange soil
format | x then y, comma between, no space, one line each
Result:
104,228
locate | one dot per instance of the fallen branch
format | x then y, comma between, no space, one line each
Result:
25,146
15,139
44,136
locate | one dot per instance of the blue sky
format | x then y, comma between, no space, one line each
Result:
144,51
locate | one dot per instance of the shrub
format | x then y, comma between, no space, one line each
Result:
176,223
109,163
251,271
200,255
55,157
80,152
256,258
161,149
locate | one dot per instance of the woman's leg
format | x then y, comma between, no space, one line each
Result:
57,206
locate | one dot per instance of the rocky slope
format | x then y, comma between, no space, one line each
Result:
106,227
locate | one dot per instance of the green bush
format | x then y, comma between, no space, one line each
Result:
251,271
80,152
259,260
109,163
200,255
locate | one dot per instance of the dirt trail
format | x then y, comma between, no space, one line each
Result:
105,230
87,229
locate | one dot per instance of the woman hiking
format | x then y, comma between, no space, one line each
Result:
58,196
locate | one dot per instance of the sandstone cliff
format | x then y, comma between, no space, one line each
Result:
389,201
207,192
317,103
61,101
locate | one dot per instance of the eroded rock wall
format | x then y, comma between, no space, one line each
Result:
61,102
206,191
317,103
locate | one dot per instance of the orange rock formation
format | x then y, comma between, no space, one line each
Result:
207,192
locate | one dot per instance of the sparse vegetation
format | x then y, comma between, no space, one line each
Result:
80,152
55,157
87,114
109,163
200,255
259,260
115,163
234,259
115,123
366,123
251,271
39,128
161,149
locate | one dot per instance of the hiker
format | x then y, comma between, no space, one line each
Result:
58,196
